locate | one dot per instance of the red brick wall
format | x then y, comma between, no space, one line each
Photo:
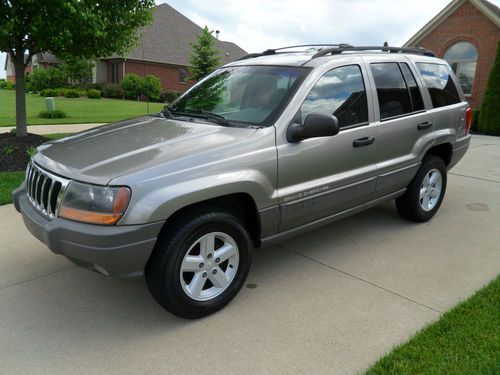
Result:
469,24
168,74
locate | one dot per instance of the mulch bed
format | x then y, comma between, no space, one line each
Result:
13,155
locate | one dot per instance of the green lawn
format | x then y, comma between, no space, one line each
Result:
78,110
8,182
466,340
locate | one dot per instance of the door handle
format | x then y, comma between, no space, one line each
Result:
365,141
424,125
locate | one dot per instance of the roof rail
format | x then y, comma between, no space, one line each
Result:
274,51
340,49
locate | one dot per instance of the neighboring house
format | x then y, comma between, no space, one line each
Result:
10,71
466,34
163,49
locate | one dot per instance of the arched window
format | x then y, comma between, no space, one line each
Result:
462,57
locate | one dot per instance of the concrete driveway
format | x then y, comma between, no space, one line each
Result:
330,301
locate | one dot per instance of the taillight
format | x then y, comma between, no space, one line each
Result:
468,119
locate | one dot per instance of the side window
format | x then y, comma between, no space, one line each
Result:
340,92
440,84
415,95
393,97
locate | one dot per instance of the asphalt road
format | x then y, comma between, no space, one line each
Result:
330,301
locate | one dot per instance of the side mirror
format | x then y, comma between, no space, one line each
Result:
315,125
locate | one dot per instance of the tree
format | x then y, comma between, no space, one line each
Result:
49,78
79,28
489,115
204,56
78,69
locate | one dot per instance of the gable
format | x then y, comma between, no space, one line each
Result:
489,11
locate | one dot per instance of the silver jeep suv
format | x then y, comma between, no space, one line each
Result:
264,148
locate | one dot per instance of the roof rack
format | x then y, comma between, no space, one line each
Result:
340,49
274,51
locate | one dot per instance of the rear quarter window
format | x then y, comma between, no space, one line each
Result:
439,83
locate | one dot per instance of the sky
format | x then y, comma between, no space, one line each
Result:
257,25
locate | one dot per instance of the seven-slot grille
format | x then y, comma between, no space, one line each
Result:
44,190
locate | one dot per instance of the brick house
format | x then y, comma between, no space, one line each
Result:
466,34
163,49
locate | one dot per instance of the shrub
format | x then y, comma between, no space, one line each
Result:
49,78
489,117
9,149
72,93
52,114
49,92
2,83
170,95
112,90
9,85
151,86
475,118
31,151
94,94
91,86
132,86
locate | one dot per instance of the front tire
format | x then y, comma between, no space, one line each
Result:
425,193
200,263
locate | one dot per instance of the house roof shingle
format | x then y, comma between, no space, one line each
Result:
168,40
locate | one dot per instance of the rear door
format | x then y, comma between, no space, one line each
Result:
405,126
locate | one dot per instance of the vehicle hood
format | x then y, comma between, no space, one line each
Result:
101,154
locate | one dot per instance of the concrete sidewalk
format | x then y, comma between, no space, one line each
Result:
49,129
331,301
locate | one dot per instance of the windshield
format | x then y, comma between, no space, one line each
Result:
244,95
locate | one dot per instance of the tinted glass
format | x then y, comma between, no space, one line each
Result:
393,97
340,92
245,95
415,95
440,84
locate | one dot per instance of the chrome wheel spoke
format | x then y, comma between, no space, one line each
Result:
434,194
207,245
423,191
425,202
224,253
219,279
197,283
192,263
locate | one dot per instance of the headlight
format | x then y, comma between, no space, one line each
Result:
94,204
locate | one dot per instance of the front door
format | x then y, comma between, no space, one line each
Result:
319,177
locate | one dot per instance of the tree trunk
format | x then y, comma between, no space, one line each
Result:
21,128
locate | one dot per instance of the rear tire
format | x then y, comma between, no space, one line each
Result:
200,263
425,192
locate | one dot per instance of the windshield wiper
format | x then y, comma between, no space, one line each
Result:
221,120
167,112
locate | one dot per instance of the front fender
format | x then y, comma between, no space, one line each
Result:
159,204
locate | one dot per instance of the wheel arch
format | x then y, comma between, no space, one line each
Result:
444,151
241,205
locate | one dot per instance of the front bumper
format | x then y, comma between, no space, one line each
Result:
118,250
